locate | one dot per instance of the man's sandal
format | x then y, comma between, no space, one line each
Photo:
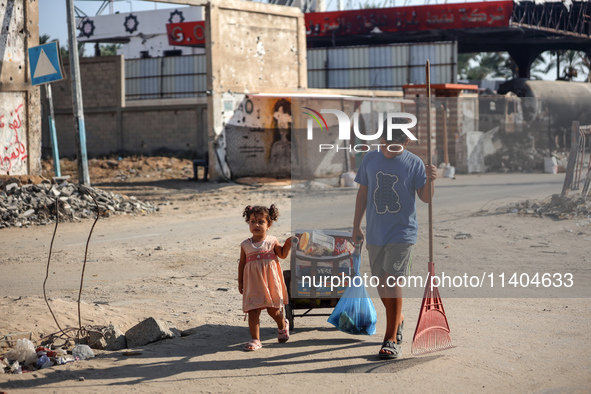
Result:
252,345
389,346
283,335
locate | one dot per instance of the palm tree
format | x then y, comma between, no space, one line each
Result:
464,64
488,65
494,65
109,49
587,63
44,39
571,62
65,51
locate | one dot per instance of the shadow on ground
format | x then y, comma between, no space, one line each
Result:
192,354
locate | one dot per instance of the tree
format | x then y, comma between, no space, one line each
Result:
65,51
483,65
571,63
587,64
44,39
464,64
109,49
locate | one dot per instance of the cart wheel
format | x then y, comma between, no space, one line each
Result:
289,316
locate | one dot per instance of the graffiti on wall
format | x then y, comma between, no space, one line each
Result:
13,152
259,138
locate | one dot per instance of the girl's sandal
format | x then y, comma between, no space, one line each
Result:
252,345
283,335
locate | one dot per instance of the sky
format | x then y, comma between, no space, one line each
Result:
53,19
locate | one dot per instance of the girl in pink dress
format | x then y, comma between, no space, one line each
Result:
260,278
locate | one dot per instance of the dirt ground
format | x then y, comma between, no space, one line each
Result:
125,169
179,266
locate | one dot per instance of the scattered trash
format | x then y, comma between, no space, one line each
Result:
462,236
449,171
64,360
83,352
9,340
24,351
43,362
559,207
23,357
550,165
348,179
129,354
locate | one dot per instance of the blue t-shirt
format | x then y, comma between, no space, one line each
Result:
391,190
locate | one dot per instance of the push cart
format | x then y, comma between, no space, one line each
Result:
309,278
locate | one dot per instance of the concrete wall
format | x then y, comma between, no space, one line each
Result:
251,48
113,126
266,135
20,121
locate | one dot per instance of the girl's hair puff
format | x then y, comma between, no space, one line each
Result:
271,213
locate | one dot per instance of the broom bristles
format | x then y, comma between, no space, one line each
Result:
433,340
432,332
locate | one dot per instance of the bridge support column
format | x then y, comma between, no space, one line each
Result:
523,58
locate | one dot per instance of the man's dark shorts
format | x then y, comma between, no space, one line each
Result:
393,259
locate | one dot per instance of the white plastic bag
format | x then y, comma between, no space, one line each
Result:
23,352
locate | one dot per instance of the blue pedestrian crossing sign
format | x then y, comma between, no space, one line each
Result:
45,65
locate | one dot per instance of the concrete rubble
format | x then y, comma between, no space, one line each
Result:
147,331
107,338
558,207
519,152
21,355
516,159
23,205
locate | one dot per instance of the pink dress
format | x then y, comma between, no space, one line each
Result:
264,286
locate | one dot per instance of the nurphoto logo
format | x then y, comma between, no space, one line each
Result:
393,122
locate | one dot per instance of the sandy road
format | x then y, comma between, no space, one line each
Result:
179,265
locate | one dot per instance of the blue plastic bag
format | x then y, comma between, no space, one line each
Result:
355,313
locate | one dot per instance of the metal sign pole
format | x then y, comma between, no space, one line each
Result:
52,133
83,177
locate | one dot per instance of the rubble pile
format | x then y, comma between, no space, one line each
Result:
23,205
559,207
522,152
516,158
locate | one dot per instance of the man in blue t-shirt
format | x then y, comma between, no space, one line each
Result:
389,178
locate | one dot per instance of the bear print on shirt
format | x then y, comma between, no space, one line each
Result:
385,197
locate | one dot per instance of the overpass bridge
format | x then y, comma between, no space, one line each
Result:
524,29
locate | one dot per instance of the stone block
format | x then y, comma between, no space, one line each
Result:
108,338
149,330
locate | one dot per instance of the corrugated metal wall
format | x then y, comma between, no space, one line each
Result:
384,67
165,77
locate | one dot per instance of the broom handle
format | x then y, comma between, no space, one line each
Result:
429,162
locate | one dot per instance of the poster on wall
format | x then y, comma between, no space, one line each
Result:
258,135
